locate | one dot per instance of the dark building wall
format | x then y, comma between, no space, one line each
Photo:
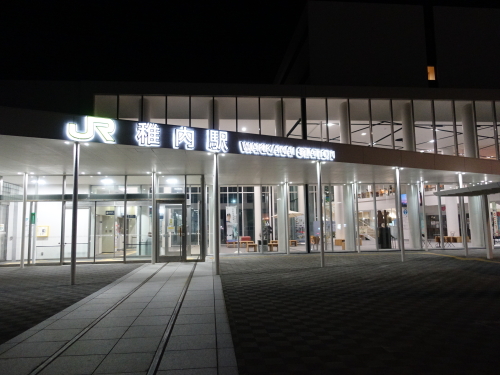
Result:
468,47
357,44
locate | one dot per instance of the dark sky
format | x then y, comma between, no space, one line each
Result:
188,41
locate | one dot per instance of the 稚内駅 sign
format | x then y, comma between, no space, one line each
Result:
148,134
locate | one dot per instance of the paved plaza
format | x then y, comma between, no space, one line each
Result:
364,313
162,319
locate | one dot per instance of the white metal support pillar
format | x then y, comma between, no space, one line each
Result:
216,229
320,214
63,222
74,211
377,245
424,229
463,222
441,229
398,216
23,228
155,231
125,222
357,242
487,232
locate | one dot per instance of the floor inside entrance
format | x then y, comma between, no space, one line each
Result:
364,313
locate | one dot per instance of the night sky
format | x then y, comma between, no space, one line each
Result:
189,41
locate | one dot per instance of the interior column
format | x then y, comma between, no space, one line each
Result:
213,114
408,128
414,216
216,213
257,212
155,229
319,204
475,203
349,229
279,110
23,222
487,230
398,216
74,216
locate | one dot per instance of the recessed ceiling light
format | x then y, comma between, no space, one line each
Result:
363,133
148,172
83,172
86,144
243,129
98,172
32,173
431,141
66,142
19,172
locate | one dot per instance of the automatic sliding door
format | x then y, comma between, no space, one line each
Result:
171,232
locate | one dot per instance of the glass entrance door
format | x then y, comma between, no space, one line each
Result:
171,242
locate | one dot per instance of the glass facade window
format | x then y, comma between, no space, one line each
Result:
271,116
381,120
154,109
445,124
129,107
360,122
337,113
203,112
248,115
106,106
292,115
227,113
317,129
424,126
485,129
178,110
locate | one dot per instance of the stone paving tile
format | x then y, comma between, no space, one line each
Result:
363,314
192,342
137,345
192,371
13,366
90,347
31,295
187,359
193,329
116,363
69,365
33,349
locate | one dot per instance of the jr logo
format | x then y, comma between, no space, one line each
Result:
104,127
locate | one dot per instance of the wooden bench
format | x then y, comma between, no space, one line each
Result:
271,245
254,245
293,242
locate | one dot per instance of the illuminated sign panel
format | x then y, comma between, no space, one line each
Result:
147,134
269,149
104,127
217,141
184,136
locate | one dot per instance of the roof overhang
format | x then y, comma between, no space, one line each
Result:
470,191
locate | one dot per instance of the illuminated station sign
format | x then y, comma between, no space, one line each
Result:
147,134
